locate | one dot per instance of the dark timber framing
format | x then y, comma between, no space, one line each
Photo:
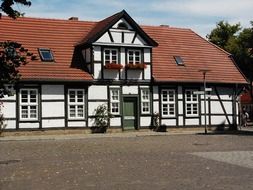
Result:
222,105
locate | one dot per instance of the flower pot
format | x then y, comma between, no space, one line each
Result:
113,66
136,66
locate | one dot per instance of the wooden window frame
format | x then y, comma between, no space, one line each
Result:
134,56
143,101
114,102
28,104
192,103
42,56
111,56
169,103
76,104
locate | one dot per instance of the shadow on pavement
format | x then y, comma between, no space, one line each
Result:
242,132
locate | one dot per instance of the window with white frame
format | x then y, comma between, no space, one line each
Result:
168,101
115,101
110,56
28,104
134,56
191,103
76,104
145,101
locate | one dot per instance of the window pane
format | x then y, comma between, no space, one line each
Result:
46,54
107,56
33,97
171,96
107,60
179,60
145,107
72,95
164,96
80,96
194,97
195,108
165,109
114,52
72,111
33,111
115,95
24,96
115,107
130,57
130,53
24,111
145,95
137,57
188,109
80,111
114,59
172,109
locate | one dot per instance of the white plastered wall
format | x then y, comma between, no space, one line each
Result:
9,111
52,106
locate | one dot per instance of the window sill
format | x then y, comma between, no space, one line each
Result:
28,120
76,119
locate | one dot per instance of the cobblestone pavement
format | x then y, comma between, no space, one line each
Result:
193,162
240,158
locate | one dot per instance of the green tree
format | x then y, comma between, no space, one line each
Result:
7,7
12,54
238,42
224,35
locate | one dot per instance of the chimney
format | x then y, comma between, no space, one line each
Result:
73,18
164,25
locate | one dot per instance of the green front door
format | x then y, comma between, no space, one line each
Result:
130,113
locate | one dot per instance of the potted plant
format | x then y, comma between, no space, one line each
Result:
102,116
156,126
2,124
114,66
136,66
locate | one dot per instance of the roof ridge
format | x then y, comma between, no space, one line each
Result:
48,19
224,51
165,26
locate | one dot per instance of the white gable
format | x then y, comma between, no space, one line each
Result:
105,38
139,40
122,21
121,36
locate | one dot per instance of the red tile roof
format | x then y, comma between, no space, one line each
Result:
197,54
62,36
58,35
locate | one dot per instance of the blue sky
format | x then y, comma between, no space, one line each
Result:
199,15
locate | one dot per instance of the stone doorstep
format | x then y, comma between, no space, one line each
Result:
88,131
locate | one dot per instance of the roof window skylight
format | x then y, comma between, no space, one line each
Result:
46,54
179,60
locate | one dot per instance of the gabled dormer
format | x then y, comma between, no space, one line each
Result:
117,48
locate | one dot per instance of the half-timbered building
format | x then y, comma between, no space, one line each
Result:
134,70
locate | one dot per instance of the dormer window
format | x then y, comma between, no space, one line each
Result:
179,60
46,54
134,56
122,25
110,56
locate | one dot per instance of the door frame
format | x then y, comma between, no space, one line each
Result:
137,112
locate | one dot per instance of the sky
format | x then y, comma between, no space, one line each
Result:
199,15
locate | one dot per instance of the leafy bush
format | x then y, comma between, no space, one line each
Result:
2,125
102,116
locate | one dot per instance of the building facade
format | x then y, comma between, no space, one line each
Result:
136,71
